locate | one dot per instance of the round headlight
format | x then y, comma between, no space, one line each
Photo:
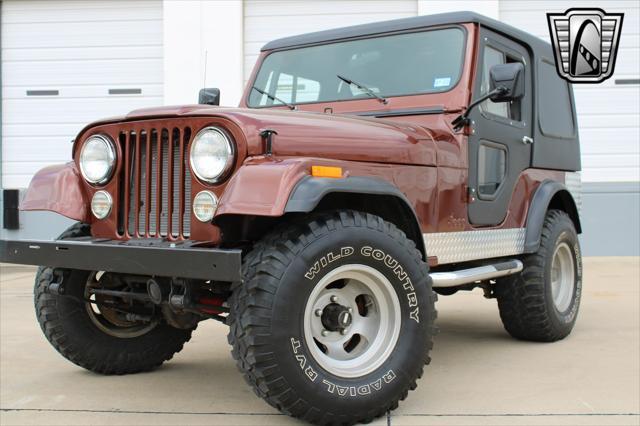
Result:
101,204
97,159
205,204
211,154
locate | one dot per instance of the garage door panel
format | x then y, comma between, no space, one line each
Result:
83,72
82,53
44,130
561,5
85,91
23,111
608,100
327,7
612,140
608,120
43,148
53,6
139,33
627,61
15,180
260,29
610,174
84,14
81,50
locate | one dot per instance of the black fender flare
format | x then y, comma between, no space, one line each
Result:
540,204
309,192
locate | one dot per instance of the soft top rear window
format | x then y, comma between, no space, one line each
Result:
556,111
394,65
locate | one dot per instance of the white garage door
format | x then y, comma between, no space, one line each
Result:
268,20
608,113
66,63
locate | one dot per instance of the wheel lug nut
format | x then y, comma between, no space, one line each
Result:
350,310
318,312
334,299
325,333
343,331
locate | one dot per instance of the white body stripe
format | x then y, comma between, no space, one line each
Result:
453,247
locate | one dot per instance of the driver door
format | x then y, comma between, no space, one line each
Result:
500,145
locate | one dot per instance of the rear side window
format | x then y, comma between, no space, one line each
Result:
556,112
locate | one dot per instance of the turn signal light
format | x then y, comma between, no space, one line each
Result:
326,171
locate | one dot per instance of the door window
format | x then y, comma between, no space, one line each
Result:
492,57
508,110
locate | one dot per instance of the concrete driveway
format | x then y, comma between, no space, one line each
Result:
479,375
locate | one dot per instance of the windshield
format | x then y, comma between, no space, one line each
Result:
397,65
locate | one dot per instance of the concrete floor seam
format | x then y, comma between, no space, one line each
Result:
389,416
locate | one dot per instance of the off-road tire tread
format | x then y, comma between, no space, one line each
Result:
111,363
521,298
251,302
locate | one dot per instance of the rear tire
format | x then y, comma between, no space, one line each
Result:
338,262
68,326
541,303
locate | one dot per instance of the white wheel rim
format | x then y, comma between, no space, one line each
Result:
369,320
562,277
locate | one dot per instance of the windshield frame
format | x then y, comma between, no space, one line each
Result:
463,53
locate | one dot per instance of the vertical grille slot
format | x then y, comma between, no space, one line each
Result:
155,199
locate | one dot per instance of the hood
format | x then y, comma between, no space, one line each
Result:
309,134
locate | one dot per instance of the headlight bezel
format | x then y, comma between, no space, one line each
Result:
111,154
229,163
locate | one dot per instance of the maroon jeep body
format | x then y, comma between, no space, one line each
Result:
365,168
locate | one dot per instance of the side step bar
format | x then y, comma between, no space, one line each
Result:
481,273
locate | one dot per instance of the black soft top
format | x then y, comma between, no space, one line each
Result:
536,44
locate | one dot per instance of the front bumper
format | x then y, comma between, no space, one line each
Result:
142,257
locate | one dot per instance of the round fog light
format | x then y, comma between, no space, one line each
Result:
101,204
205,205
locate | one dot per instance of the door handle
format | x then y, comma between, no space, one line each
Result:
527,140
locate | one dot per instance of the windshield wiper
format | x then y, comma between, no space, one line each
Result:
273,97
367,90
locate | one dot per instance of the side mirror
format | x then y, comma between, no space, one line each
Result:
507,84
209,96
510,77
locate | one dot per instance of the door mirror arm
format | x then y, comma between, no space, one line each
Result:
463,119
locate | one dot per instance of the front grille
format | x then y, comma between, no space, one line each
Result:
155,184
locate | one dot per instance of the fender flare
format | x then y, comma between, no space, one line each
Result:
59,189
309,192
540,203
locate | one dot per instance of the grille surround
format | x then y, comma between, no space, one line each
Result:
155,183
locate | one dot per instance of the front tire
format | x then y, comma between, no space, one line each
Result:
99,341
541,303
334,321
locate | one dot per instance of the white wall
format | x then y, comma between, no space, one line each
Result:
194,30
